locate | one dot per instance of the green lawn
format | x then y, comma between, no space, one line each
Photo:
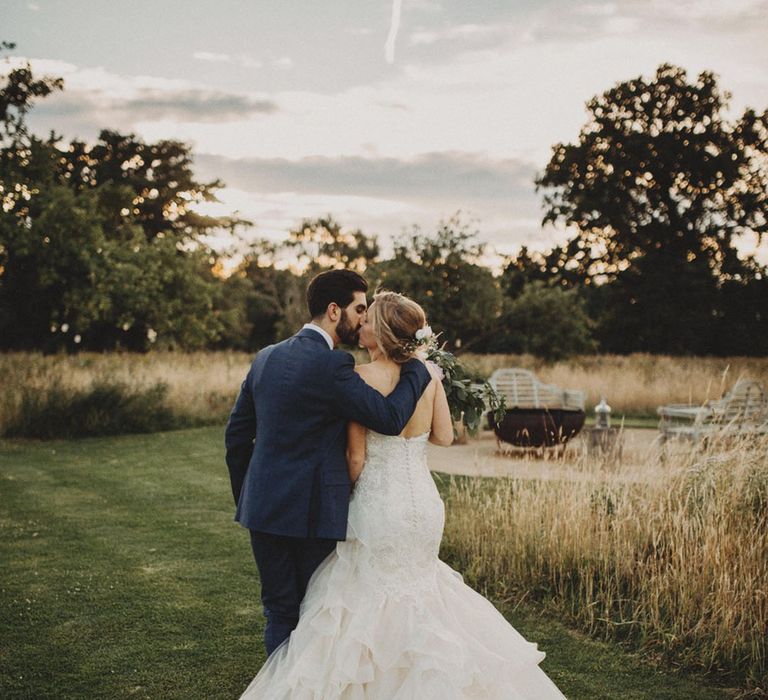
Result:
122,575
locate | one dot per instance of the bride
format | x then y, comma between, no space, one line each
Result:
383,618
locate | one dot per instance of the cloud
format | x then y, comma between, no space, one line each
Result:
706,16
392,105
276,213
454,177
212,57
429,6
243,60
249,62
39,65
146,104
645,20
475,35
94,98
384,195
194,105
709,10
597,9
359,31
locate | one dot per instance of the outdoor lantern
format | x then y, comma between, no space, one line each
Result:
602,415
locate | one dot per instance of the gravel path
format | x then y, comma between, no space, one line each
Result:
481,457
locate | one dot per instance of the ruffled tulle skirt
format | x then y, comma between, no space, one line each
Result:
361,636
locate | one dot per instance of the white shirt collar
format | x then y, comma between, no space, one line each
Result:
315,327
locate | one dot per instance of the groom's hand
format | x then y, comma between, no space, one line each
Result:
238,457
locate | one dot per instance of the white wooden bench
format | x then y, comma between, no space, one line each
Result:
522,389
741,411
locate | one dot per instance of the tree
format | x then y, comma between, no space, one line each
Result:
100,246
150,184
269,303
443,273
26,164
545,321
17,96
521,270
50,268
659,187
322,243
69,285
25,160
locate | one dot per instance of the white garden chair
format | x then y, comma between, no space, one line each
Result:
741,411
522,389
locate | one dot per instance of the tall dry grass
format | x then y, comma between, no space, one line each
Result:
671,557
636,384
203,385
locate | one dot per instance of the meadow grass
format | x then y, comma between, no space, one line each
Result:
669,557
201,387
124,576
635,385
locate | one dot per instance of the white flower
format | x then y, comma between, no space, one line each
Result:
64,327
152,335
424,333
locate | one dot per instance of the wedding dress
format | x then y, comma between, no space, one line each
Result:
383,618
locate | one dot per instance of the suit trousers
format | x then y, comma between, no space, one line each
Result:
285,566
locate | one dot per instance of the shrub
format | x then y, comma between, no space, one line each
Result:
548,322
105,408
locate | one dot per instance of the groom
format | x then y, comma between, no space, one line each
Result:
286,443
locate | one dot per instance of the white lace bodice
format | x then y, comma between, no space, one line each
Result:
397,513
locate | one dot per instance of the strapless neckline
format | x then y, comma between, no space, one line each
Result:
413,438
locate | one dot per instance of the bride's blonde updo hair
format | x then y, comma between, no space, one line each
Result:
395,319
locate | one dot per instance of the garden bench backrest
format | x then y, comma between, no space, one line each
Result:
746,401
522,389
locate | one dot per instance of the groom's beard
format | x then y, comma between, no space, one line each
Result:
348,334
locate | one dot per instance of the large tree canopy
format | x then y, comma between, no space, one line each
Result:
150,184
659,187
100,245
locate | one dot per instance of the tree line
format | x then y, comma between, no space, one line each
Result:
101,247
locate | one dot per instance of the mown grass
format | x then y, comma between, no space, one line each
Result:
123,576
123,573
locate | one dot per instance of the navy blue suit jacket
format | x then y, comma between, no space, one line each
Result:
286,437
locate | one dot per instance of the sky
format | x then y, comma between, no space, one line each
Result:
385,114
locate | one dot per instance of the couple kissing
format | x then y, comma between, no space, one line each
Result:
328,466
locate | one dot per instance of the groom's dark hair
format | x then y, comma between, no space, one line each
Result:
337,286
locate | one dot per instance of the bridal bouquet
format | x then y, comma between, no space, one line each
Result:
467,399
